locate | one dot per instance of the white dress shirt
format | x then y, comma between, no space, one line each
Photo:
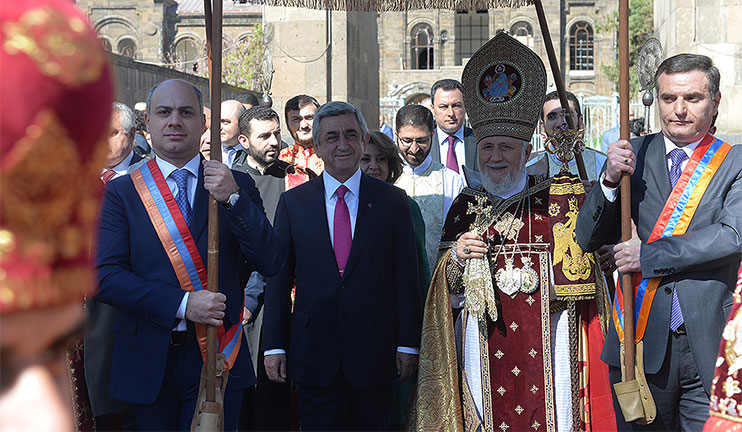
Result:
458,147
226,160
351,200
611,193
123,166
167,168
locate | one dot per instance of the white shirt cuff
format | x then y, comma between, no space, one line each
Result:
408,350
274,352
608,193
180,314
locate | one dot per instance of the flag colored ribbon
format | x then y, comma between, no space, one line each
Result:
181,249
674,220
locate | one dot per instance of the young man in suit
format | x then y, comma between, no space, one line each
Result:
157,359
356,318
694,258
454,144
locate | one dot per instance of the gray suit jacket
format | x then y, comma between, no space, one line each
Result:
470,149
700,264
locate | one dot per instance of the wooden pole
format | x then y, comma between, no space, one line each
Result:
558,79
623,89
214,50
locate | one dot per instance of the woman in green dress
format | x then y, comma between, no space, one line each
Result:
381,160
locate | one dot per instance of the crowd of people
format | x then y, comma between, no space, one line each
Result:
427,275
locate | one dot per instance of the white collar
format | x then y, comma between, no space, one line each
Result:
332,184
123,166
410,170
443,136
167,168
688,149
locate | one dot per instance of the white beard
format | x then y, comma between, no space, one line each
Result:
505,185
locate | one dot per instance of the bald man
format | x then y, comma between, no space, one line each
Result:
230,130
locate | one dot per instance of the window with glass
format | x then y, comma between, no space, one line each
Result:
581,47
421,39
472,31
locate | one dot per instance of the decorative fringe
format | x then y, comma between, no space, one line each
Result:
396,5
478,289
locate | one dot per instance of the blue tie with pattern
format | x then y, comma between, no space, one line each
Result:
181,180
677,156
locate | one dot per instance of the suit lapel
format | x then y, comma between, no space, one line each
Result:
656,160
470,149
368,207
200,207
317,217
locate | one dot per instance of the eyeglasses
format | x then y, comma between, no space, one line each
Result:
406,142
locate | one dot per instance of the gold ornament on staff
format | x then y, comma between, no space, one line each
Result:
565,143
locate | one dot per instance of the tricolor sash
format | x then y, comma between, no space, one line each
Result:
181,249
674,220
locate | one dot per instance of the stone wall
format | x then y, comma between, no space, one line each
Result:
708,27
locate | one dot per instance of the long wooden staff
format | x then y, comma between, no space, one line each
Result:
623,89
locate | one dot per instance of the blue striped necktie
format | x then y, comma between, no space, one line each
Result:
677,156
181,180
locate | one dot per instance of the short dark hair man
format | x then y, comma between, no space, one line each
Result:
156,357
247,99
454,145
430,184
355,324
690,261
299,112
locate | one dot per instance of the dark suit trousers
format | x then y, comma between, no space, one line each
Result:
340,406
682,403
175,404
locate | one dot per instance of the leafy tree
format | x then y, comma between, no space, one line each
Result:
241,60
641,27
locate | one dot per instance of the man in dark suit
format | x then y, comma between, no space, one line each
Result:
156,358
454,144
356,318
98,343
698,267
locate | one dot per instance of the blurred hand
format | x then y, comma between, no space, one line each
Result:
275,367
246,315
588,185
406,365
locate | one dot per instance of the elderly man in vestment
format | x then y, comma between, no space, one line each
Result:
430,184
509,267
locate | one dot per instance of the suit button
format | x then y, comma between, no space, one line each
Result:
668,290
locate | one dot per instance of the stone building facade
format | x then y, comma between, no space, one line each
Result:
420,47
709,28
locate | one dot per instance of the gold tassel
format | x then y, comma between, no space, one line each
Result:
396,5
478,289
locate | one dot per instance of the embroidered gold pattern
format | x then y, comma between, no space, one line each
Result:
519,410
504,426
60,46
501,390
530,300
539,238
499,354
538,200
534,389
513,326
576,264
731,387
532,353
554,209
515,371
536,425
538,217
509,226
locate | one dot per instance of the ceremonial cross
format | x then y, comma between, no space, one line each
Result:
565,143
508,226
483,213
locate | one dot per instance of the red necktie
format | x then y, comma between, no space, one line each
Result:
107,176
342,235
451,162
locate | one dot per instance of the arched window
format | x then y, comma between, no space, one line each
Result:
127,47
523,32
421,39
581,47
106,44
186,54
472,31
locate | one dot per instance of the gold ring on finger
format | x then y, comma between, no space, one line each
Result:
467,249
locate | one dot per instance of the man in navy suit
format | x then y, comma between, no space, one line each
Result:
356,318
156,361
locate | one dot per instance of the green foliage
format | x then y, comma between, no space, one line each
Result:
241,60
641,27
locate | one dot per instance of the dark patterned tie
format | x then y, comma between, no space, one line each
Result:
677,156
181,180
342,236
451,162
108,175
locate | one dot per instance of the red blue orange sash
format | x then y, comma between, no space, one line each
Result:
181,249
674,220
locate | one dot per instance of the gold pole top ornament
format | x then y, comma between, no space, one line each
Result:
564,143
